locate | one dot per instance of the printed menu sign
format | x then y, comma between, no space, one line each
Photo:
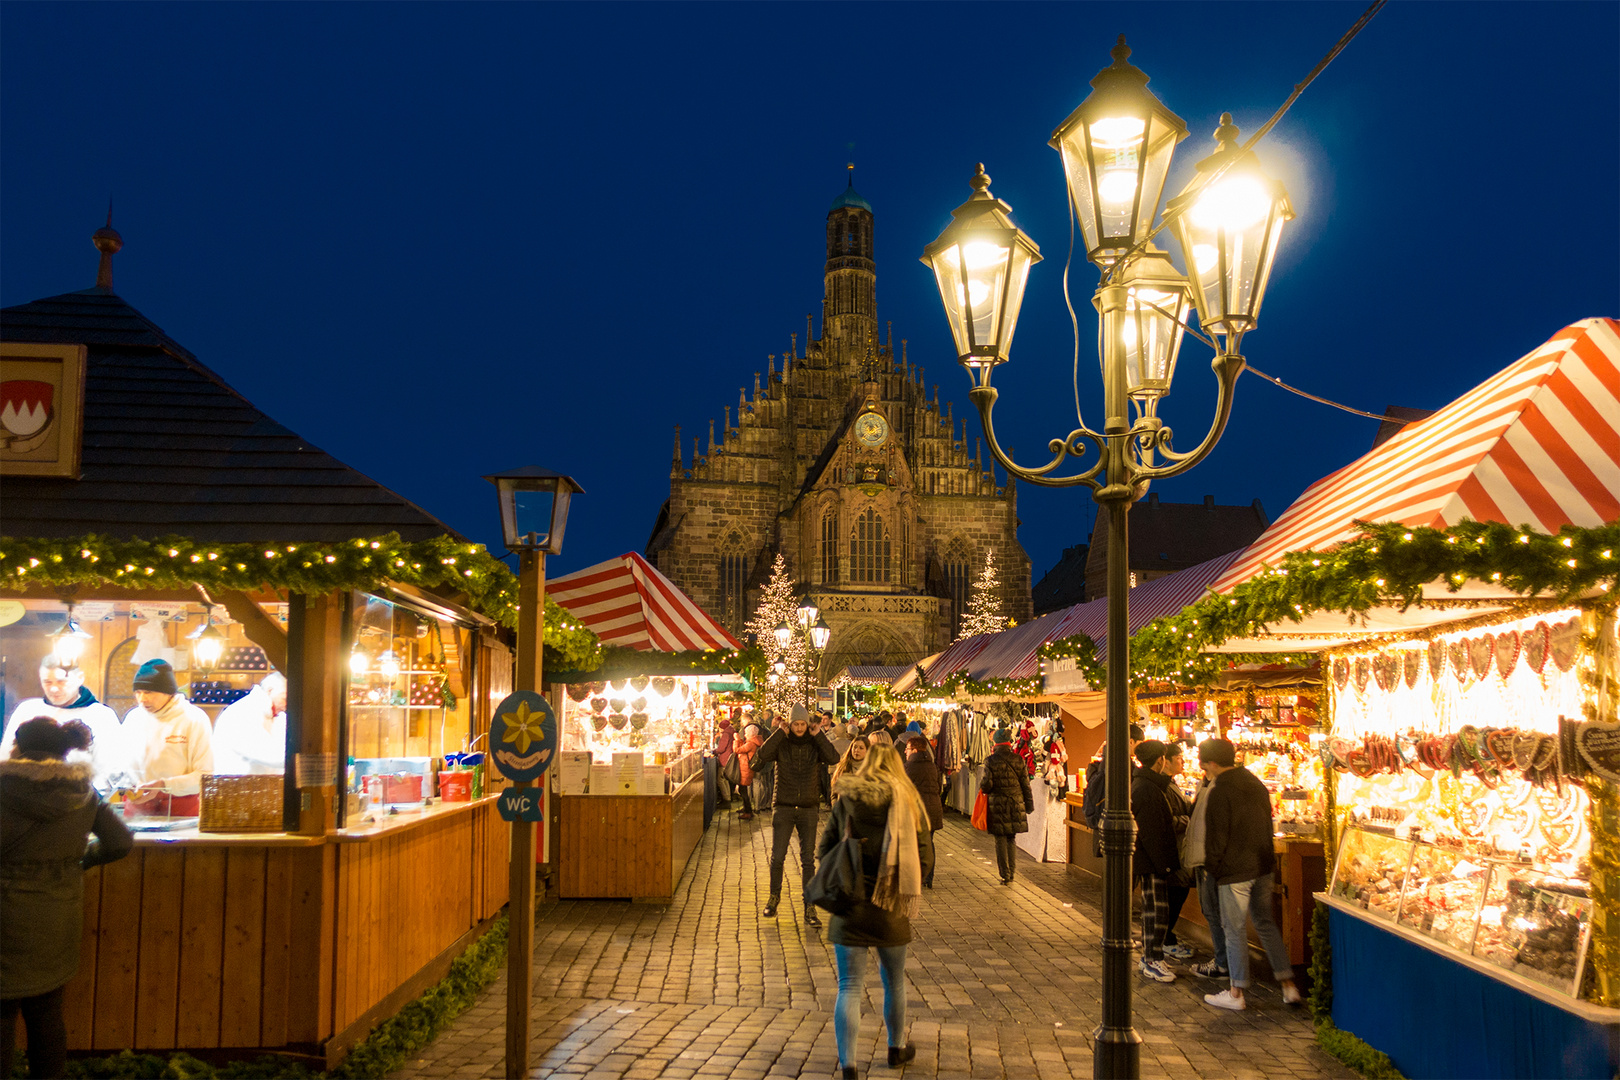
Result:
627,767
573,772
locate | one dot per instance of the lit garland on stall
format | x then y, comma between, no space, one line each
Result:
177,562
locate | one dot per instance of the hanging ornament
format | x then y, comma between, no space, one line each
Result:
1386,667
1564,644
1506,649
1363,671
1437,659
639,683
1341,672
1457,653
1480,651
1534,642
1412,667
578,692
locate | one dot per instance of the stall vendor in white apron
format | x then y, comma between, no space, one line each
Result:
171,742
67,698
250,736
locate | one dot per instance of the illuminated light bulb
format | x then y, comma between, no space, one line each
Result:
1117,185
388,664
1117,132
67,643
1233,204
982,254
1204,258
359,661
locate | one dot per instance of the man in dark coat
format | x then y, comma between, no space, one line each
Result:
1093,794
798,754
1009,801
1239,855
1157,859
924,776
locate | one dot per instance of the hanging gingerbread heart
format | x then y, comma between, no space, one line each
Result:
578,692
1599,745
596,687
1524,749
598,704
639,683
1363,671
618,720
1412,667
1500,744
664,685
1533,642
639,705
1341,672
618,704
1386,669
1437,659
618,684
1457,654
1479,655
1563,643
600,723
1507,652
638,720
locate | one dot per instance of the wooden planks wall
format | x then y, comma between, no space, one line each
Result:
627,845
193,947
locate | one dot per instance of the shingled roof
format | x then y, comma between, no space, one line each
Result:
170,448
1166,537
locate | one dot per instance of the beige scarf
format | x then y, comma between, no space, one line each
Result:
899,883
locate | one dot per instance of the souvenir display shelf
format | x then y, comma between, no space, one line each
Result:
1534,922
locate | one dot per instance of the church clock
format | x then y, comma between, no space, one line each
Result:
871,429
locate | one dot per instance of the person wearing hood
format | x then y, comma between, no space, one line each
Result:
745,747
924,776
250,736
66,699
170,741
798,752
1008,801
877,804
47,809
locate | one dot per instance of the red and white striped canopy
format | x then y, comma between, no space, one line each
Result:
625,601
1537,444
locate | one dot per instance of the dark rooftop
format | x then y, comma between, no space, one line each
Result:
1399,417
1065,584
1166,537
169,448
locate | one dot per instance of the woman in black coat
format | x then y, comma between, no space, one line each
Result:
1009,801
924,776
47,812
877,805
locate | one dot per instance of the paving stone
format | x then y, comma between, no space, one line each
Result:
1001,983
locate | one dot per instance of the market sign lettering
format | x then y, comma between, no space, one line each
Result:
521,804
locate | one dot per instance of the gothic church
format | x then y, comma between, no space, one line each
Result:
842,462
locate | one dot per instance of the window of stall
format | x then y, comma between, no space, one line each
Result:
406,703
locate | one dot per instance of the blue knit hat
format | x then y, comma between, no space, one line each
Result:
157,676
1001,736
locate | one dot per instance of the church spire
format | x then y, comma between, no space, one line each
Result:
109,243
677,469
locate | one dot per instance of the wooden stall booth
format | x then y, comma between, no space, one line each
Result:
320,856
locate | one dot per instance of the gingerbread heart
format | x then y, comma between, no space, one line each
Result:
578,692
1480,653
1412,667
1386,669
638,721
598,704
618,720
663,685
618,704
1341,672
1437,659
1457,654
1524,748
1363,671
1533,643
639,705
600,723
618,684
1507,652
1500,745
639,683
1563,643
1599,745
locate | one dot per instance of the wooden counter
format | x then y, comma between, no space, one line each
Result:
635,846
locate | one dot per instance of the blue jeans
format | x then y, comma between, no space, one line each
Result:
1241,902
1209,902
852,979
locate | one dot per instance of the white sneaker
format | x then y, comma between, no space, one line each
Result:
1179,952
1226,1000
1155,970
1291,995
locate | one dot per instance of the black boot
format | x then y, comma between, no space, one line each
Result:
770,907
849,1073
810,917
901,1055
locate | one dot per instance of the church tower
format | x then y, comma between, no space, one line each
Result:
849,305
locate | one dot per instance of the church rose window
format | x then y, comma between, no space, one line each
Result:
829,547
869,559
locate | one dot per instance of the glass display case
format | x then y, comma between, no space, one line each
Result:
1371,871
1535,924
1442,894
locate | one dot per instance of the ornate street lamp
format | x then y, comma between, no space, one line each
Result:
819,635
783,633
808,611
1116,151
534,508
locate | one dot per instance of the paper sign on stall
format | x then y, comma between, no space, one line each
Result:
627,766
652,780
602,779
573,772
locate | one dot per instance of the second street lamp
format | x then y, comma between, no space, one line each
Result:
1116,151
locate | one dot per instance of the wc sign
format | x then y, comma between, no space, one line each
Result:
522,804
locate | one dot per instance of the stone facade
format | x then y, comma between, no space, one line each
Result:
843,462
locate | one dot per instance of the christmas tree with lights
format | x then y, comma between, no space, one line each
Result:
780,691
984,607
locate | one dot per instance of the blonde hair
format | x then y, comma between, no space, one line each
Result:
881,738
849,763
883,763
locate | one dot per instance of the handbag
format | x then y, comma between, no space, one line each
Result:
731,771
981,812
840,882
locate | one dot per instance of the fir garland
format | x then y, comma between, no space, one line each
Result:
1388,564
178,562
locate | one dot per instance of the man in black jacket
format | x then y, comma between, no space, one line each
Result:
1239,855
798,754
1156,856
1092,795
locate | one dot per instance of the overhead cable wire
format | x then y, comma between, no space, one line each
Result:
1323,400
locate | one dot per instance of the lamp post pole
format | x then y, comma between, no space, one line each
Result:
520,914
1116,149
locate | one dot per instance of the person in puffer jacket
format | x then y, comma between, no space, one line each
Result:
1009,801
797,752
883,810
48,809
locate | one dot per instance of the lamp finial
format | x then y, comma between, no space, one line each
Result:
108,242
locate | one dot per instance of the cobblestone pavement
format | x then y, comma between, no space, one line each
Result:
1001,982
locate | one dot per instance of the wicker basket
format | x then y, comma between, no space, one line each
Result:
241,804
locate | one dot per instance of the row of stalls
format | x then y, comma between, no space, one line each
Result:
1444,766
332,849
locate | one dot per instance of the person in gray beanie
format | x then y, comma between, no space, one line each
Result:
797,753
1008,801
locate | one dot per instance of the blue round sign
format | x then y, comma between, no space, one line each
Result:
523,735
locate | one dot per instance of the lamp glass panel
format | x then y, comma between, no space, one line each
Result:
1116,188
1017,281
1229,235
948,275
532,516
1151,331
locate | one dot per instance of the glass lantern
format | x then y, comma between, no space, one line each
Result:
1147,331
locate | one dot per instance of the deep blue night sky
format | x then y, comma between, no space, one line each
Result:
439,241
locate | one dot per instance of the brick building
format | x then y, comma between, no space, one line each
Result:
841,461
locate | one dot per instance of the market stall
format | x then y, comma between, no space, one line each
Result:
628,793
279,896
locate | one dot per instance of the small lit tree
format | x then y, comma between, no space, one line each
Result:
984,607
777,604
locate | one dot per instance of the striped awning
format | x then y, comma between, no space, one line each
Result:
626,601
1537,444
